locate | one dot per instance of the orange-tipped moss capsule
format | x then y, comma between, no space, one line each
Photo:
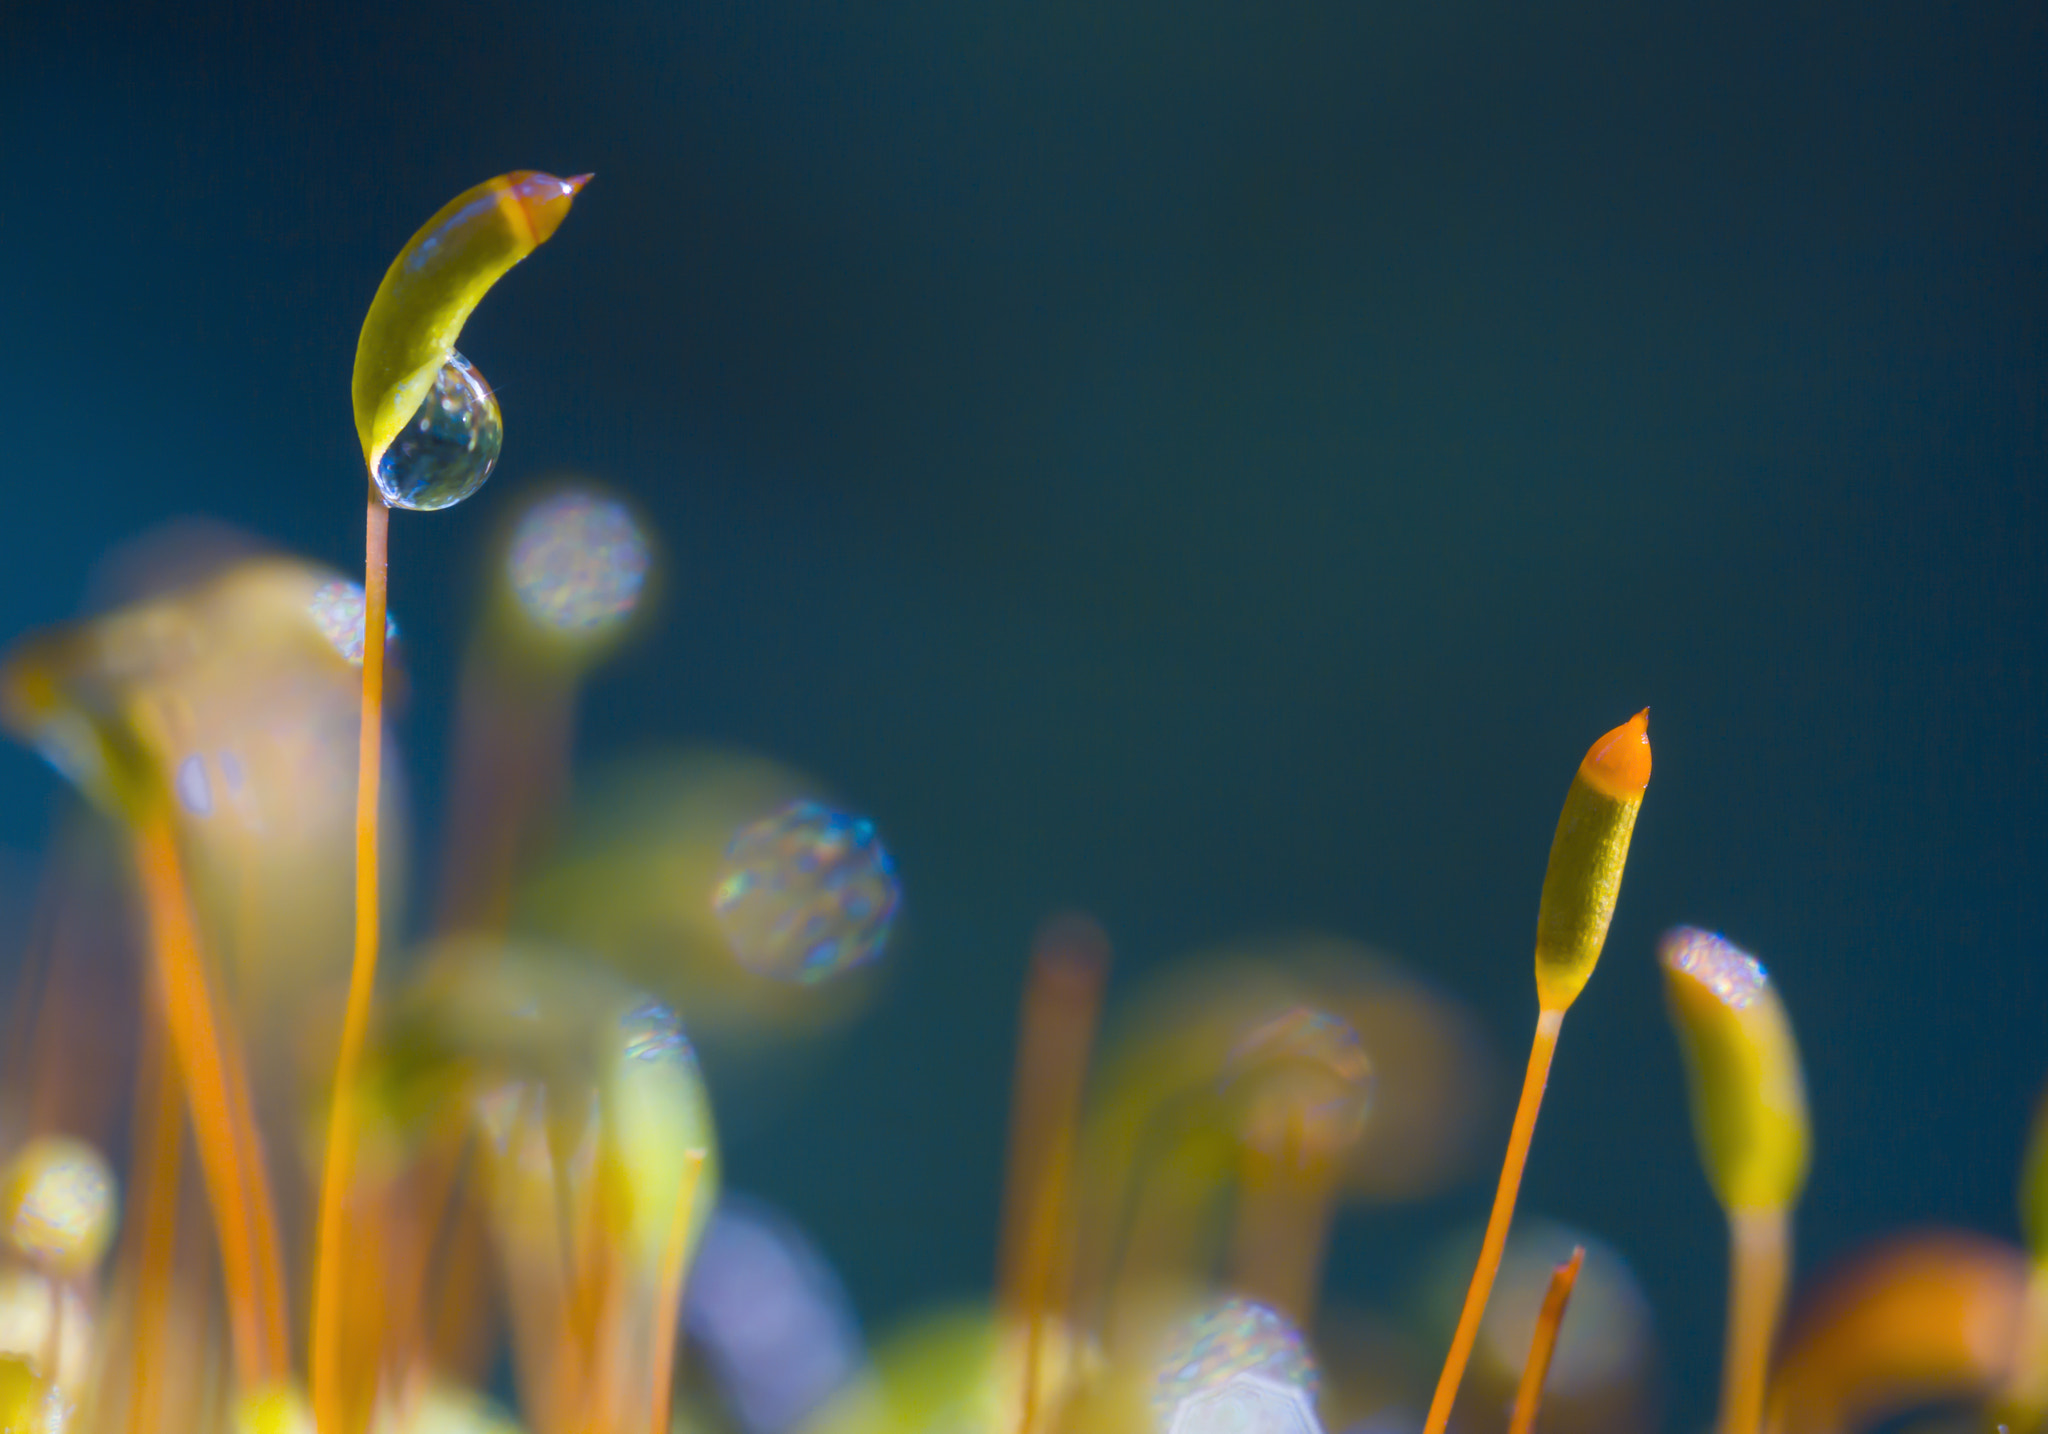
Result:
1580,887
1586,859
1748,1098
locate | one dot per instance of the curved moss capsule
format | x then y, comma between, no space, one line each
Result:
1748,1098
1586,860
435,282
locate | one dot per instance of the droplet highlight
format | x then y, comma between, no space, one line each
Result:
1237,1365
448,448
578,562
806,893
337,610
60,1205
652,1033
1735,977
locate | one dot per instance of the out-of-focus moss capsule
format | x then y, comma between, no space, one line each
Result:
1586,860
1748,1098
1302,1076
657,1112
59,1203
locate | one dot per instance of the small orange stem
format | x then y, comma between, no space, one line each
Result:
668,1292
1062,998
1541,1050
1759,1248
1281,1226
157,1148
1529,1394
331,1262
228,1156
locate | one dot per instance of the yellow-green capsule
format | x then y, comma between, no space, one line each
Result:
29,1403
1748,1098
656,1113
276,1409
433,285
1587,855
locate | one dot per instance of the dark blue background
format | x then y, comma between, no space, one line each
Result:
1216,463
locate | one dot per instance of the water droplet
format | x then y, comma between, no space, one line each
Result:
447,449
195,793
1237,1359
1732,974
653,1034
337,610
60,1203
578,562
806,893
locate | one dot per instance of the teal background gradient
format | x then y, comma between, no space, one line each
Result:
1214,463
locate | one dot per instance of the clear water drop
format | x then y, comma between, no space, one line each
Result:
806,894
447,449
578,562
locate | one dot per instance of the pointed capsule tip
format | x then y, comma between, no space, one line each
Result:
1619,763
575,182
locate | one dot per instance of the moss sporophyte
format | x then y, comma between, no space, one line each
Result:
484,1193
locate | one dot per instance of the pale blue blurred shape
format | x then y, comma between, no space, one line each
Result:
771,1316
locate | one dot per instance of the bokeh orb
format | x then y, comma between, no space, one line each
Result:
806,893
578,562
60,1204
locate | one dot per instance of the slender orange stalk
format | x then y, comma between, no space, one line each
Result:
266,1246
1580,887
1062,999
1759,1250
157,1147
1281,1227
233,1169
668,1291
1541,1050
1529,1393
331,1262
